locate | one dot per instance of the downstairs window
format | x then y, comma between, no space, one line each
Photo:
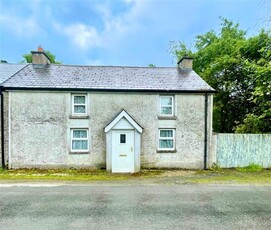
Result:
166,139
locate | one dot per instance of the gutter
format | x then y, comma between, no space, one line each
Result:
205,130
7,88
2,127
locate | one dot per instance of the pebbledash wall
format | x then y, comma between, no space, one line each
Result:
240,150
39,129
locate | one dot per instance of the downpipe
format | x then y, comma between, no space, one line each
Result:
205,130
2,127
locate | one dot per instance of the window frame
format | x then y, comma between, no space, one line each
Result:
167,138
172,106
79,139
73,105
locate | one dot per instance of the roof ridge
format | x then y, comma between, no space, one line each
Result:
147,67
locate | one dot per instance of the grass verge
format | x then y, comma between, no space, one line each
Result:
234,176
71,175
212,176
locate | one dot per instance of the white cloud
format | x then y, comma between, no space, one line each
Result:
82,36
21,26
22,19
115,28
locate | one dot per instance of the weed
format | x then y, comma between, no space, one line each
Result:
251,168
215,168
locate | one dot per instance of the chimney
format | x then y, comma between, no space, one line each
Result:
40,58
186,63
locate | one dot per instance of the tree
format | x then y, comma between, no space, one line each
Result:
28,58
259,118
239,69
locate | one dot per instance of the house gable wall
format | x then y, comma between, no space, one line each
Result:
40,128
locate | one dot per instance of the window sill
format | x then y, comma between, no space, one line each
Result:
167,151
167,118
79,153
79,117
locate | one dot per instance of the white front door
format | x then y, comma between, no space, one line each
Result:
123,151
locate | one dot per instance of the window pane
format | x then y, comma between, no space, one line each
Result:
80,133
79,109
122,138
166,101
166,144
79,100
166,133
166,110
79,145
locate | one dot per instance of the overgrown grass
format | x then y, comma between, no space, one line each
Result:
251,168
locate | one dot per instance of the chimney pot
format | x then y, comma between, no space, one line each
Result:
40,49
186,63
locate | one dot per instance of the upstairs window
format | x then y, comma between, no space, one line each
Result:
166,105
79,104
79,140
166,139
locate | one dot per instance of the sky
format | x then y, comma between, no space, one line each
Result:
118,32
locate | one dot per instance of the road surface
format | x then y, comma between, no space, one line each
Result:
113,207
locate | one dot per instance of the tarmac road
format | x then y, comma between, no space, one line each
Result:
113,207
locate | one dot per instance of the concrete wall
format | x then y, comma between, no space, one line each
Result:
40,126
240,150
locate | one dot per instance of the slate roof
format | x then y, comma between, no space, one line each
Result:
107,78
7,70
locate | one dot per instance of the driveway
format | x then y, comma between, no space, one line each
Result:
90,206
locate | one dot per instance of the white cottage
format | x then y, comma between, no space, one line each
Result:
119,118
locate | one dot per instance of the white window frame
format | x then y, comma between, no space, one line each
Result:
166,138
80,139
73,105
172,106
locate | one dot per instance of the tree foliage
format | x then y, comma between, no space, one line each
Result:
239,68
27,58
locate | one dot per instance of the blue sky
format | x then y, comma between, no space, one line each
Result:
117,32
